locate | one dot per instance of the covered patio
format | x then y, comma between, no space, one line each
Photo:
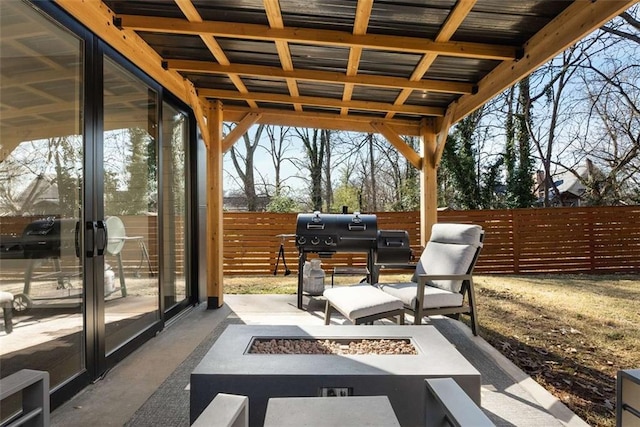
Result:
411,68
151,387
398,69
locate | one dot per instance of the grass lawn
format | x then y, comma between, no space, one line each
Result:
571,333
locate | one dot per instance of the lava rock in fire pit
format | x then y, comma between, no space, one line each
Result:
307,346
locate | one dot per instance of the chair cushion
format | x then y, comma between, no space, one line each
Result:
450,250
433,297
361,300
459,234
6,298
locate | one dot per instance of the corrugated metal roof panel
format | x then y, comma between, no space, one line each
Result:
415,18
162,8
507,22
324,90
325,58
388,63
275,106
210,81
459,69
178,46
265,85
430,99
253,52
324,14
249,11
368,93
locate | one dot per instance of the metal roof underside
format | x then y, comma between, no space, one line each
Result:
342,63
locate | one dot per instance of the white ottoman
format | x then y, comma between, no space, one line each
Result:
362,303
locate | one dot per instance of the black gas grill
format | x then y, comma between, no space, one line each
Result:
326,234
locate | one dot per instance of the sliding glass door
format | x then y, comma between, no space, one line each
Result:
93,201
130,204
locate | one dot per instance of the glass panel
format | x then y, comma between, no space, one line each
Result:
41,187
130,205
174,130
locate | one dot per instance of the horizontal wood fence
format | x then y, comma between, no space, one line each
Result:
519,241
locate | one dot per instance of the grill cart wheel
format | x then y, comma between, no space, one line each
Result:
22,303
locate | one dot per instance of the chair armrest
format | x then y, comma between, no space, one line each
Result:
225,410
448,404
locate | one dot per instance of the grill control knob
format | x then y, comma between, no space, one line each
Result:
315,240
328,241
302,240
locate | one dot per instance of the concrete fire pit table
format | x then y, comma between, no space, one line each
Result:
229,367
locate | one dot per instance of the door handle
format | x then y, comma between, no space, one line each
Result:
90,227
104,234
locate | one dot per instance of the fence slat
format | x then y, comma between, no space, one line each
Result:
586,239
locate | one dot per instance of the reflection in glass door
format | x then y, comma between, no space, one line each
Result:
41,195
130,205
174,213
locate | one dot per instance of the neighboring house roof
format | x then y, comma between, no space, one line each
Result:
567,182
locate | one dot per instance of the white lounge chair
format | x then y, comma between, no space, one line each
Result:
442,282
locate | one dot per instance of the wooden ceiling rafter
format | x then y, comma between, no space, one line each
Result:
451,24
274,16
240,129
96,16
191,13
264,71
318,37
320,120
120,31
360,24
322,102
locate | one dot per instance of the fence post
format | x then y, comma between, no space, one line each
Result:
515,225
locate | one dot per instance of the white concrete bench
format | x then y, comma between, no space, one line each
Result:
447,404
34,386
362,303
225,410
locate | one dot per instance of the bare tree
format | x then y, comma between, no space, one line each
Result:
243,163
279,146
314,141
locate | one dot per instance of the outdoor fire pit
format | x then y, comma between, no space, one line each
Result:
232,367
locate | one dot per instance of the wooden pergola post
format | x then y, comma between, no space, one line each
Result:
428,180
215,229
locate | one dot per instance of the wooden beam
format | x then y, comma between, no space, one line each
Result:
274,16
442,132
397,141
574,23
240,129
451,24
199,111
318,120
360,24
320,76
318,37
215,218
98,18
428,182
190,11
321,102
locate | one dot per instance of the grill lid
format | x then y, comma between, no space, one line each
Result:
319,232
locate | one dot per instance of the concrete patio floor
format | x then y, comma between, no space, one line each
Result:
113,400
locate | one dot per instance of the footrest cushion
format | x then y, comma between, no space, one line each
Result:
361,300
